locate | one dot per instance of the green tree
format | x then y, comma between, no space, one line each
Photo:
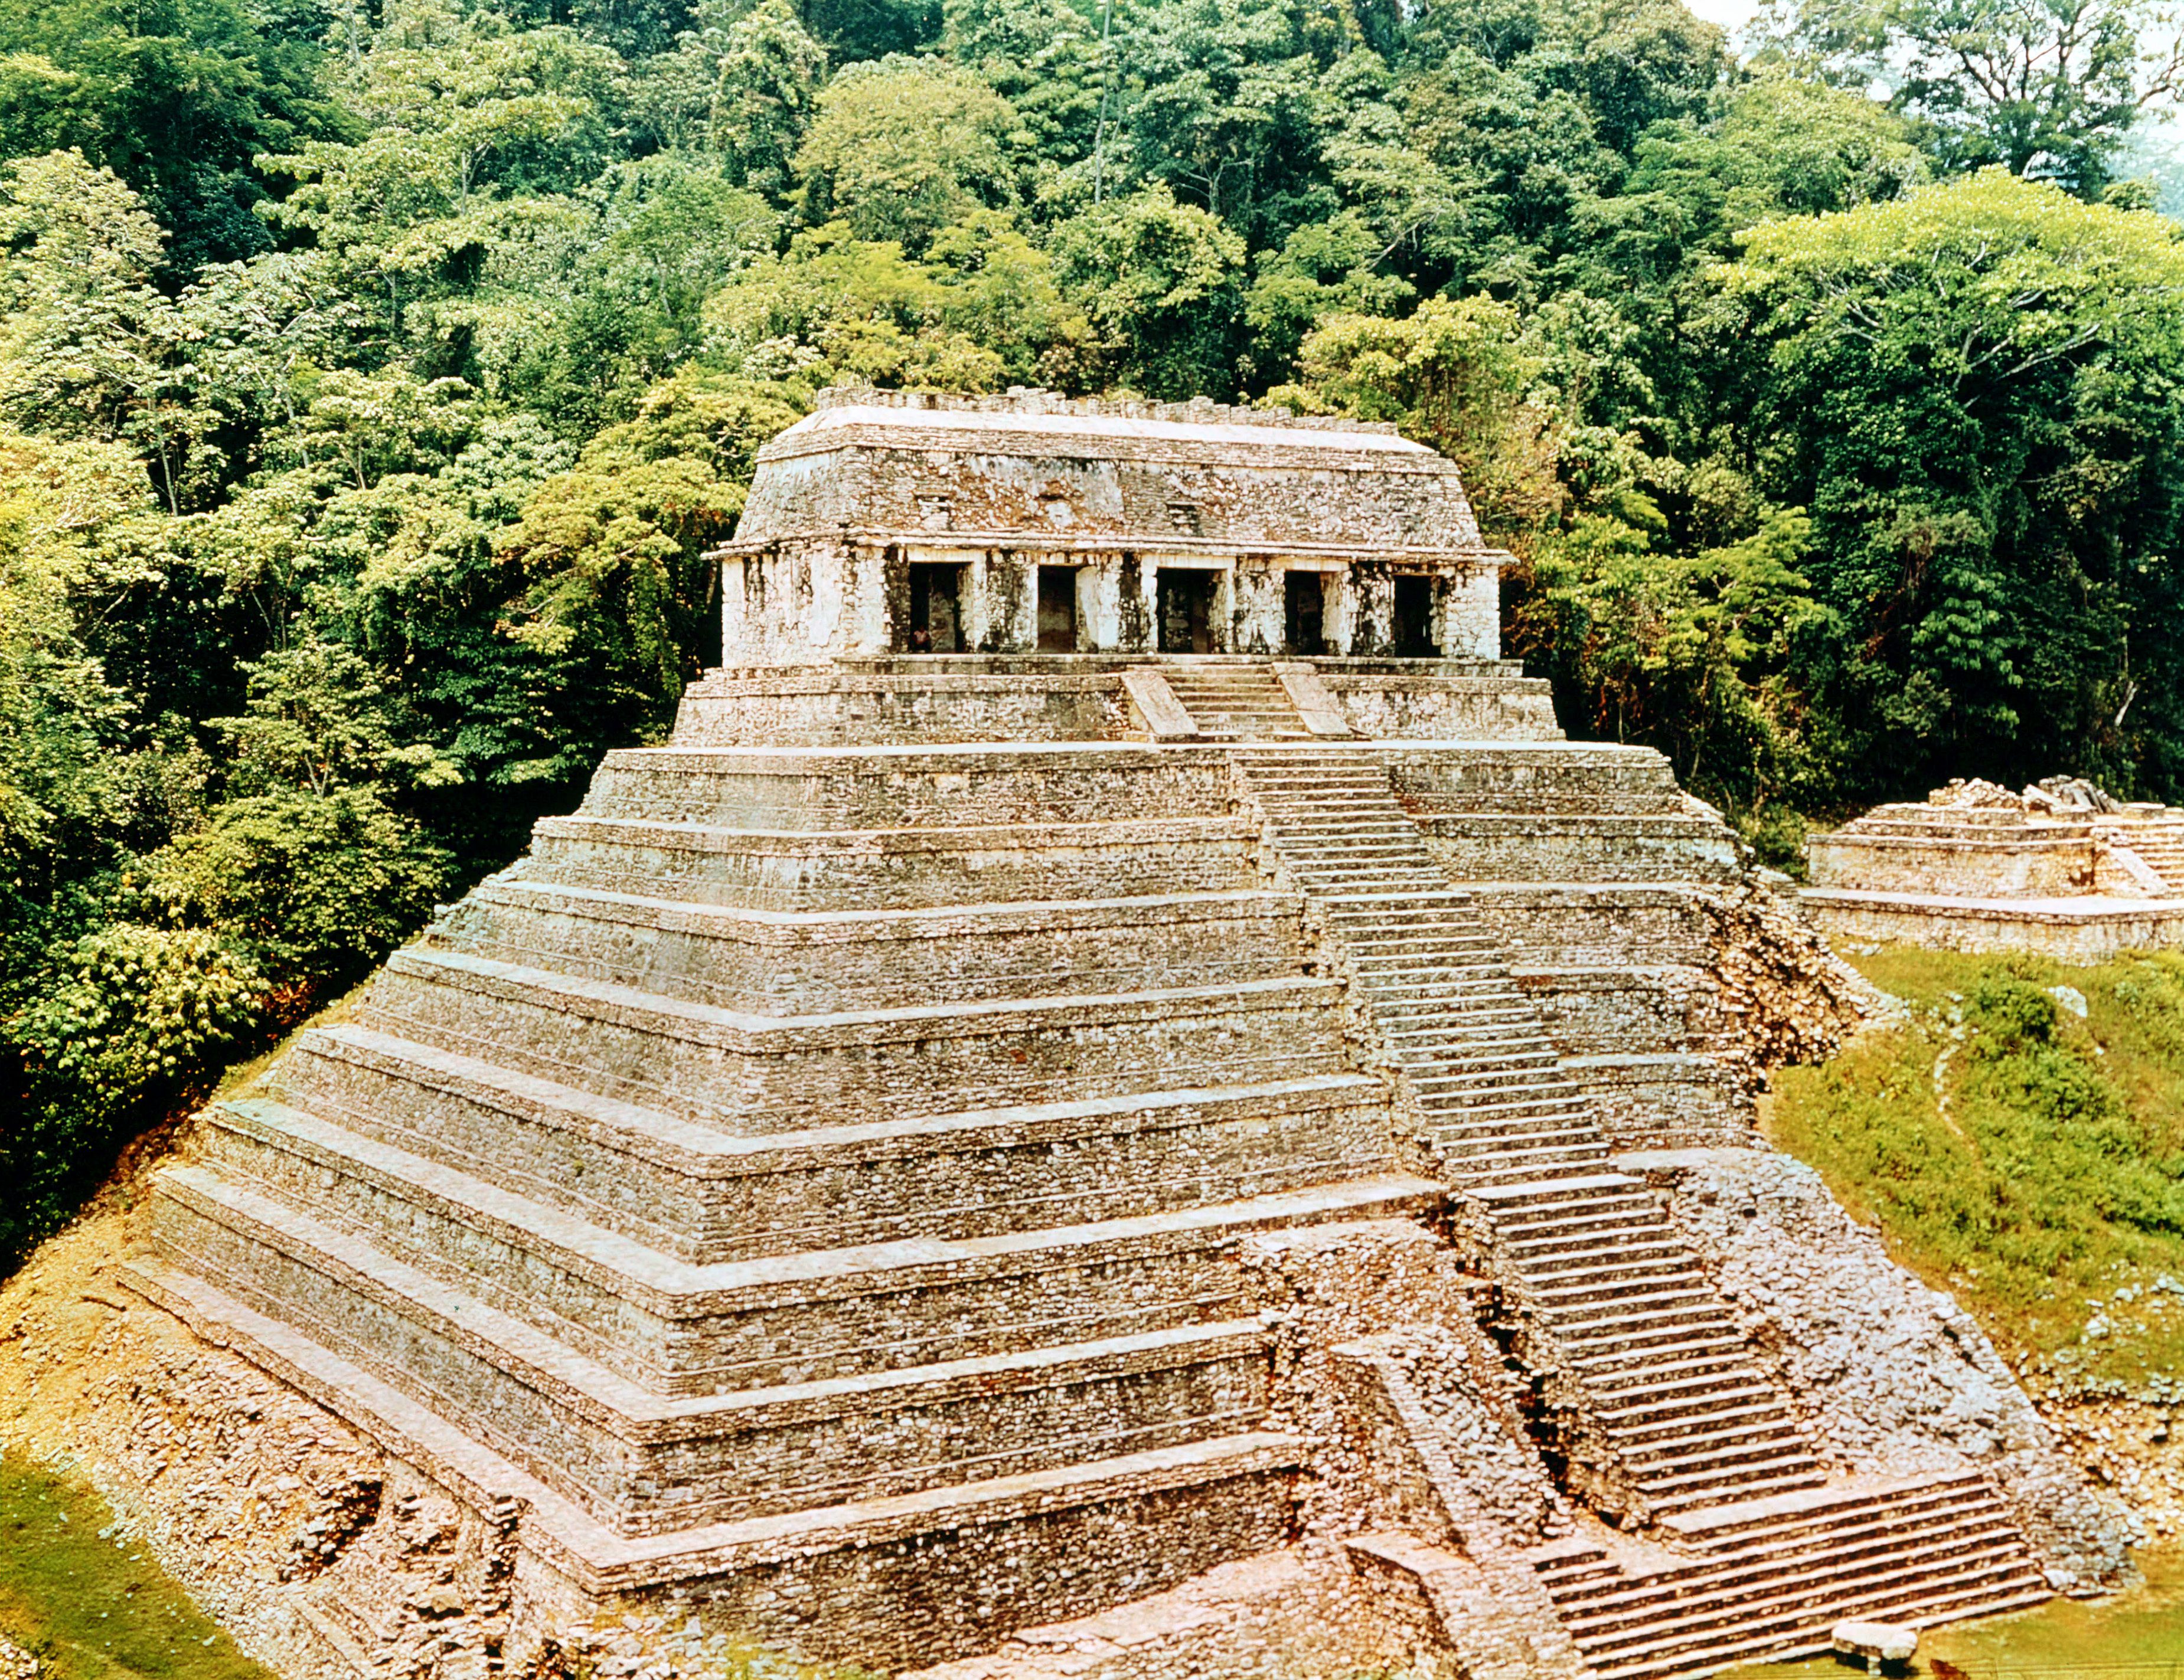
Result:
1161,283
1039,55
178,97
765,97
1970,386
2049,88
904,147
1456,376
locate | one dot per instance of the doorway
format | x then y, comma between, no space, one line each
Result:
936,596
1413,627
1304,613
1057,609
1184,596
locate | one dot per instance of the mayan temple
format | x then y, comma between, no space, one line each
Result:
1117,1075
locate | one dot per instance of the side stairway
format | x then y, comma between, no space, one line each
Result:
1767,1579
1666,1373
2160,847
1666,1389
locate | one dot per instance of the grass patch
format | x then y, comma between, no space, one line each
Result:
2029,1160
87,1600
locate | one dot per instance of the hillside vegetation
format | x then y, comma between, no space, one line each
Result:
2027,1159
373,376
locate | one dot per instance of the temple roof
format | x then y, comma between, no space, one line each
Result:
1036,466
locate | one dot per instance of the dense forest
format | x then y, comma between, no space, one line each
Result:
372,376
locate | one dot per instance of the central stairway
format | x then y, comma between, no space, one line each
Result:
1667,1378
1234,699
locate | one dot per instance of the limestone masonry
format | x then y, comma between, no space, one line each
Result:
1116,1100
2060,867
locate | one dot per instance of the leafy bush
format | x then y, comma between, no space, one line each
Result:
2030,1162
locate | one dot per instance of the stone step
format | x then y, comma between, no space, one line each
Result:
704,1195
1608,1356
1555,1153
1676,1602
1591,1322
1423,1056
1104,1528
1646,1624
1604,1219
900,868
1716,1440
1707,1490
1754,1526
1923,1612
1557,1263
752,1074
778,962
1552,1192
1451,1129
1716,1448
1533,1152
826,789
1634,1282
1430,1023
644,1464
687,1329
1671,1432
1651,1419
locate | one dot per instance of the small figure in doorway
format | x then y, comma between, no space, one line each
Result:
920,640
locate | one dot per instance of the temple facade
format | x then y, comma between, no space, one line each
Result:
888,522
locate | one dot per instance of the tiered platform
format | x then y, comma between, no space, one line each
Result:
815,1178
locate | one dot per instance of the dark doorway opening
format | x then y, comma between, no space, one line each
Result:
1186,609
1413,625
936,594
1057,609
1304,612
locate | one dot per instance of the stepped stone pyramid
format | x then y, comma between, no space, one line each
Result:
932,1150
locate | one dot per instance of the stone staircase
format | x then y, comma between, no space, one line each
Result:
1667,1378
2160,847
1766,1580
1233,699
1768,1554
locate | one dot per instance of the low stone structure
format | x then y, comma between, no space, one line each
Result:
956,1157
2061,868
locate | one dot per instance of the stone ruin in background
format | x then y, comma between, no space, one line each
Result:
2061,868
1185,1129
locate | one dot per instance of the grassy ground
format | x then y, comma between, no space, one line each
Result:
2028,1160
87,1601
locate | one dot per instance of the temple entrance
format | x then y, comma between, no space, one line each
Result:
1412,631
936,594
1304,613
1185,600
1057,609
